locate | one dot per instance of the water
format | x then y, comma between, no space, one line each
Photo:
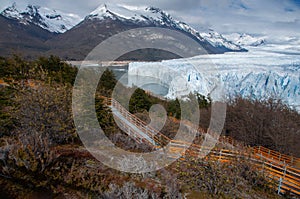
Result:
149,83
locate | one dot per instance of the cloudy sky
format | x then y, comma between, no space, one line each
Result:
272,17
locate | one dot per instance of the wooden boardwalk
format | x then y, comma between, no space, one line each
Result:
281,169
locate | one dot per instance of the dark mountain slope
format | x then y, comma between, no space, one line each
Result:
28,40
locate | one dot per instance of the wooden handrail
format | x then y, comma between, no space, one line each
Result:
274,164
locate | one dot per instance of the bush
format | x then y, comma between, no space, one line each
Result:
56,69
107,83
47,69
267,123
139,101
45,111
6,106
174,109
237,179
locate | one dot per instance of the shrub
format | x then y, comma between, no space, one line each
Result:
45,111
267,123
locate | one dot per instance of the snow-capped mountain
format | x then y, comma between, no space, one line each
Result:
246,39
219,40
144,16
257,75
105,21
150,16
51,20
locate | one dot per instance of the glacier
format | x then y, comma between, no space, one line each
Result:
258,74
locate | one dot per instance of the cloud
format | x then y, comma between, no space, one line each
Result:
253,16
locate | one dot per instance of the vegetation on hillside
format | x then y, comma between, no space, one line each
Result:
42,156
267,123
50,69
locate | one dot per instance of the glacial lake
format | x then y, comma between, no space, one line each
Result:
150,84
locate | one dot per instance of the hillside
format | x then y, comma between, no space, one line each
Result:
22,39
52,162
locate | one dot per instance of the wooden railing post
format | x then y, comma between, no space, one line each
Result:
279,186
279,156
220,154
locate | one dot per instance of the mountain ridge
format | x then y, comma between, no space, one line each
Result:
49,19
74,41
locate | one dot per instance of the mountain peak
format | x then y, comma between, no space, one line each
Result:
13,7
113,11
32,9
154,9
11,11
246,40
152,16
99,10
49,19
104,21
157,10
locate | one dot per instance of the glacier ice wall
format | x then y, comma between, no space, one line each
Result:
258,75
